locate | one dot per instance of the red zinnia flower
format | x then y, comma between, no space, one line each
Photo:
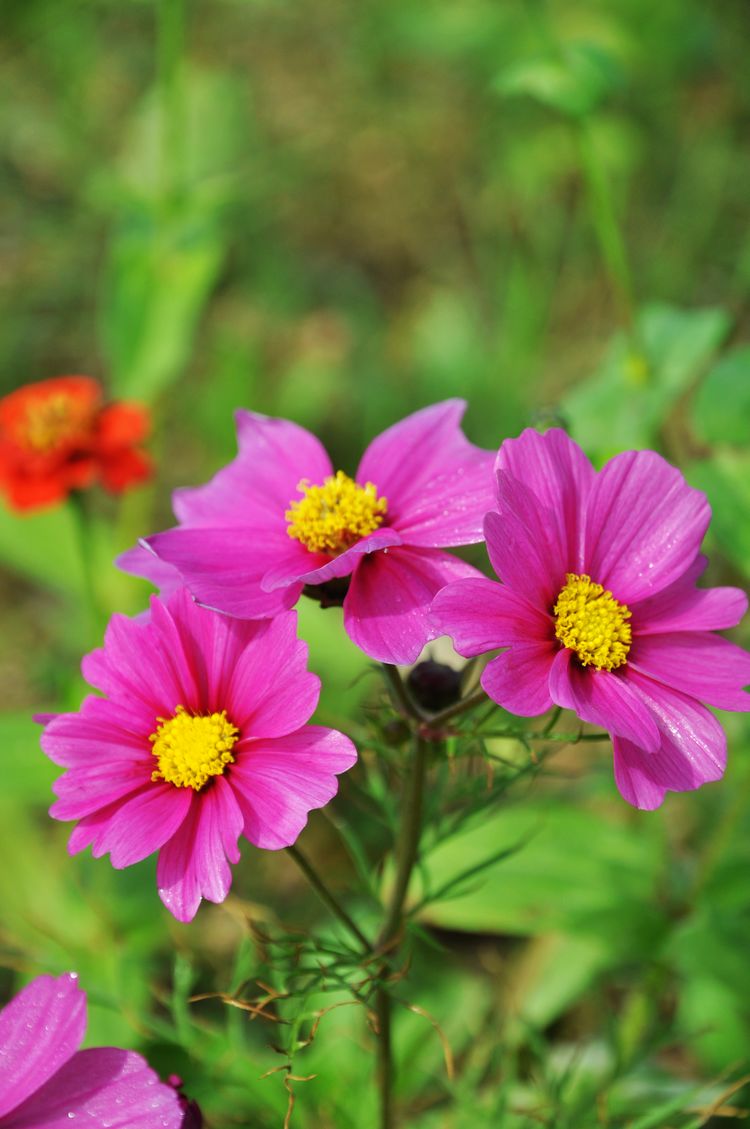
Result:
57,436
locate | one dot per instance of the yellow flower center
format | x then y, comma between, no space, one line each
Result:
331,517
51,422
190,750
591,622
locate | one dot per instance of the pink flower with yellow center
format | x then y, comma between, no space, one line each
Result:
599,610
279,518
46,1082
200,740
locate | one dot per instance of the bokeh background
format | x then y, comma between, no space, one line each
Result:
339,213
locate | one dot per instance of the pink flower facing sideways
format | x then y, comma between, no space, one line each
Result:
600,612
47,1083
201,739
278,518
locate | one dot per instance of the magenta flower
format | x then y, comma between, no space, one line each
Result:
46,1082
201,739
278,518
600,612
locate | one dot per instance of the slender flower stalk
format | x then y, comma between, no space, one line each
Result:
406,856
407,852
327,897
607,229
85,546
170,48
408,845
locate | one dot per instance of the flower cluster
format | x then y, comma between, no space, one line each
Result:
59,435
201,738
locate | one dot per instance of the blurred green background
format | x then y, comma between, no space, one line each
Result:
338,213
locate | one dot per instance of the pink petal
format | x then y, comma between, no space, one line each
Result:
603,698
224,568
254,491
637,775
193,864
213,645
692,750
135,828
556,470
438,485
141,561
98,734
644,525
143,664
523,545
705,666
83,791
320,568
270,691
102,1086
387,607
683,607
40,1029
278,782
481,616
518,679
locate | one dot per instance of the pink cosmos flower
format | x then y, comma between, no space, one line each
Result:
46,1082
201,739
277,519
600,612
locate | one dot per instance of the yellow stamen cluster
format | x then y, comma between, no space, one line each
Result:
190,750
591,622
50,422
331,517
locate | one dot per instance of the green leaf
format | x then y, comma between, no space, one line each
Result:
553,972
661,1114
160,274
207,155
573,83
27,772
725,478
721,408
628,398
709,952
577,870
43,547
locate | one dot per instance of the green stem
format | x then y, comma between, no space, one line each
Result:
384,1064
86,553
170,48
406,856
399,694
408,845
425,727
554,718
476,698
564,738
409,709
606,226
327,897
